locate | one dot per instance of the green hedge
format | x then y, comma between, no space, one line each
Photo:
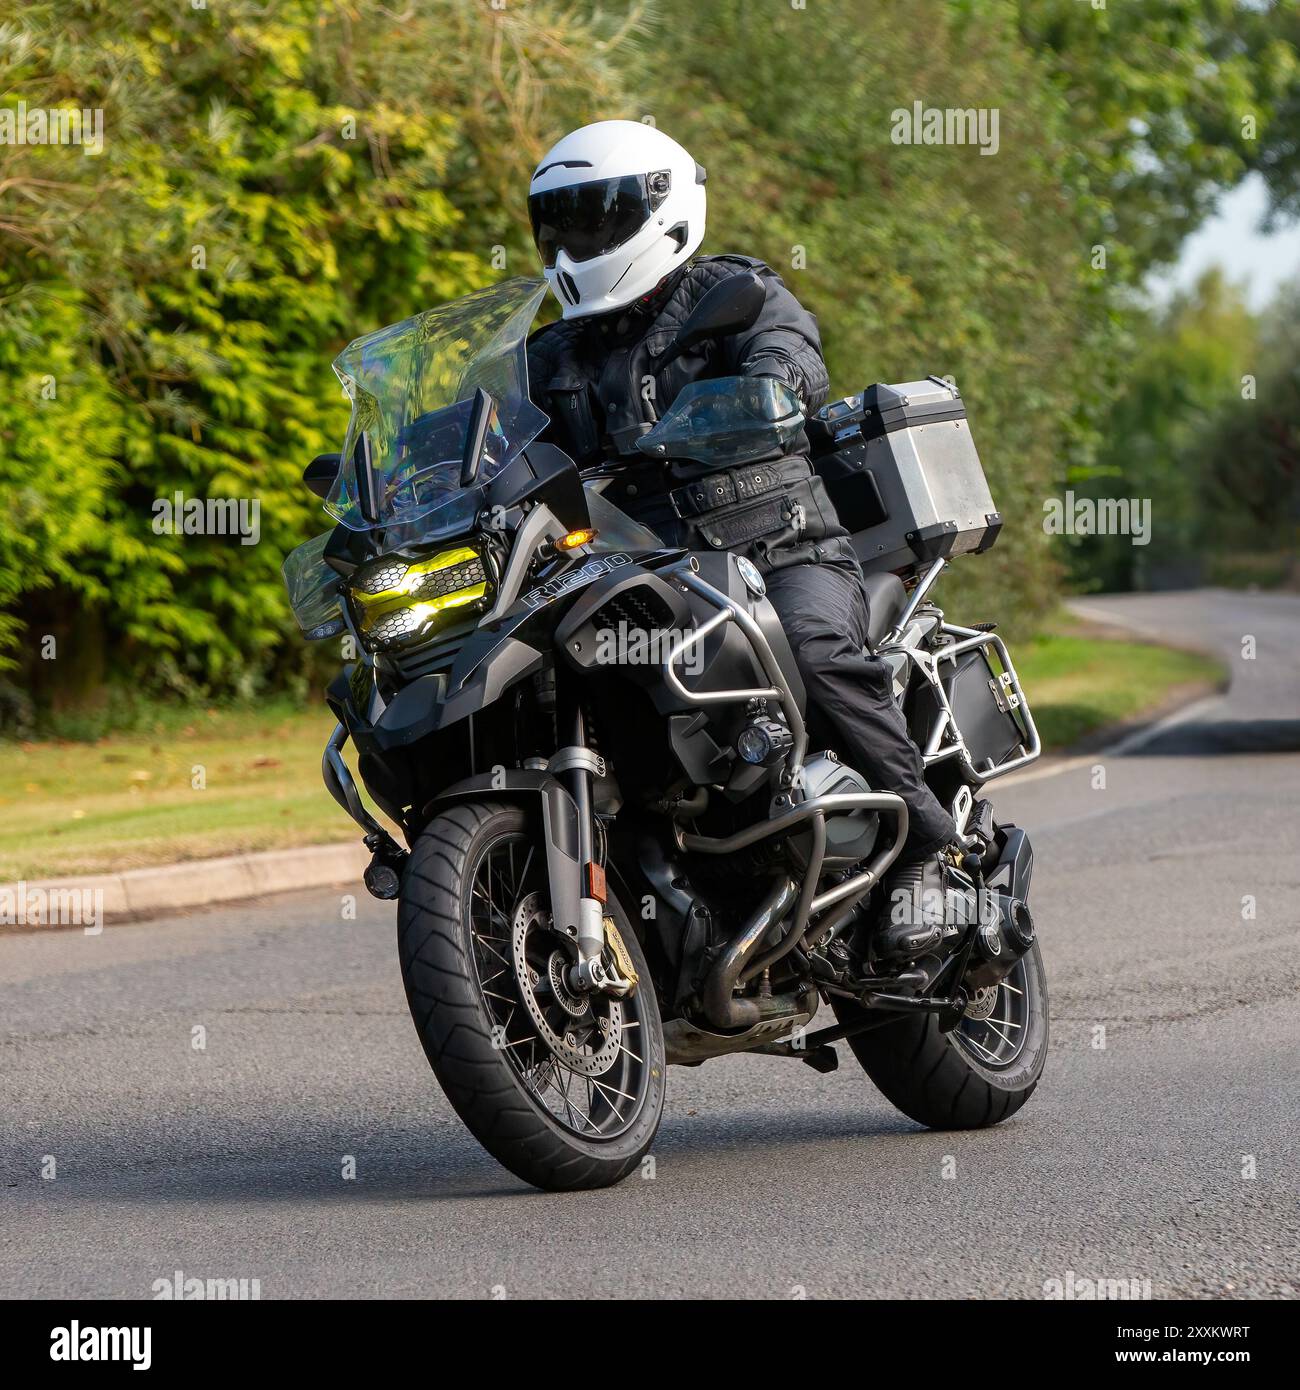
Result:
279,178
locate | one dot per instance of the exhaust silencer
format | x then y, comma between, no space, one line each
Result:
1004,934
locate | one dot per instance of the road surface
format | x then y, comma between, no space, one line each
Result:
238,1093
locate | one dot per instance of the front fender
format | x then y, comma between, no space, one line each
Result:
522,786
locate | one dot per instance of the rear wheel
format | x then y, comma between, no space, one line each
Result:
565,1089
977,1075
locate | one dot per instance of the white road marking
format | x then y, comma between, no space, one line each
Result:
1131,741
1139,737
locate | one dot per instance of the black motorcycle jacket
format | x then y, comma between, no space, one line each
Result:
598,380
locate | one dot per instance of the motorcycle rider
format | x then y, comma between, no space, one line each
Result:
618,212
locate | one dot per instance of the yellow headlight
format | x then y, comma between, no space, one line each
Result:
397,603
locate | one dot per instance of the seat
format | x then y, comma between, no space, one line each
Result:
886,599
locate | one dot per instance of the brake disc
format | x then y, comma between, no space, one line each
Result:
588,1046
982,1003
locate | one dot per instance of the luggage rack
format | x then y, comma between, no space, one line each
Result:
964,639
968,640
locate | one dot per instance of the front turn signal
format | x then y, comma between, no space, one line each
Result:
574,539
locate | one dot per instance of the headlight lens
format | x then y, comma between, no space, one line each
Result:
398,603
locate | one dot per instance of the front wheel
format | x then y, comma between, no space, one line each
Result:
977,1075
564,1089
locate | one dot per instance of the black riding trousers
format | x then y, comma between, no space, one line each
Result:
823,608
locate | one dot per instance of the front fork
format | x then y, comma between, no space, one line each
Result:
576,765
578,894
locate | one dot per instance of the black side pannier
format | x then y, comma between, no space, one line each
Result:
986,706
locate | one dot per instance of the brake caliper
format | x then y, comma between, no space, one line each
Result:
623,976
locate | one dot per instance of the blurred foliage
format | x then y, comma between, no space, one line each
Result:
1208,429
1249,460
279,178
275,180
1169,101
1275,31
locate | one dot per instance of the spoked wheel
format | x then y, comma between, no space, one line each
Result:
995,1027
564,1088
981,1072
578,1054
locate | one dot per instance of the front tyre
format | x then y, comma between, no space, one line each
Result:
979,1074
563,1089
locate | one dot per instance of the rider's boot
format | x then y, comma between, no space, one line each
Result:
921,907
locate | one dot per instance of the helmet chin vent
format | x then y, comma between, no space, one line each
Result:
679,234
570,289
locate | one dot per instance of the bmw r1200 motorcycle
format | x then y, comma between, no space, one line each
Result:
623,840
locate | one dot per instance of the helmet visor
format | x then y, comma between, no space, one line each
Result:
590,219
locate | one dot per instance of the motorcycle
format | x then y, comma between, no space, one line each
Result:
623,840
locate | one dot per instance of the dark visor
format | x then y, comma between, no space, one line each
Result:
589,219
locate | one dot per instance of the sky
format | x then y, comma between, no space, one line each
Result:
1232,239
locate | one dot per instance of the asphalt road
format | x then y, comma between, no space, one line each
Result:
129,1152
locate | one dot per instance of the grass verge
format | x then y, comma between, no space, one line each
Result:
1079,682
209,783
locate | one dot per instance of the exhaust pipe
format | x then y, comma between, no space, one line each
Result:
721,1007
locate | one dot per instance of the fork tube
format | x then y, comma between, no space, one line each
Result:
580,786
591,905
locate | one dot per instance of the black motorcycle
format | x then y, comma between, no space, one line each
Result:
623,840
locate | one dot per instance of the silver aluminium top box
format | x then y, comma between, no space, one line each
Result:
904,474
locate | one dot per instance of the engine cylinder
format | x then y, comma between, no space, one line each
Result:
850,835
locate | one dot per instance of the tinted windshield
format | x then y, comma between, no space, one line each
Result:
730,419
411,386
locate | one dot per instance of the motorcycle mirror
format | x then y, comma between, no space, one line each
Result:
367,483
731,306
320,473
479,420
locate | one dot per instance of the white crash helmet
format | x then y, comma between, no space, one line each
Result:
615,207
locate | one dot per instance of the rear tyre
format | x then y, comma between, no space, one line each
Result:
564,1090
975,1076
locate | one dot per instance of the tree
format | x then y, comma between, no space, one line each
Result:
1170,102
1183,370
274,181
